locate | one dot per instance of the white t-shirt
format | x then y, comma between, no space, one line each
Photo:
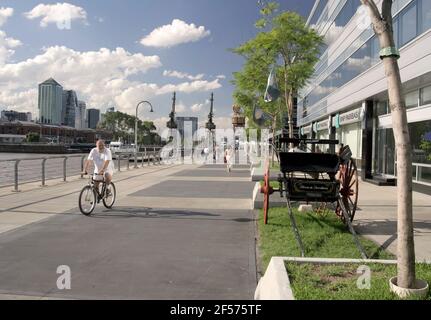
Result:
99,159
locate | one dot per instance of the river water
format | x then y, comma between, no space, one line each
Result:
30,167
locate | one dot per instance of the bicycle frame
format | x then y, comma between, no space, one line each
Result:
92,183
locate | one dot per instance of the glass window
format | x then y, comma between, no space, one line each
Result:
319,10
426,95
408,30
412,99
382,108
426,15
420,135
375,50
396,33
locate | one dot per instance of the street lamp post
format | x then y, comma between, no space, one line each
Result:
136,129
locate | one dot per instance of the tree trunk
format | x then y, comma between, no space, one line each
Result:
406,251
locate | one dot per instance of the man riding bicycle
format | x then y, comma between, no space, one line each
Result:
103,165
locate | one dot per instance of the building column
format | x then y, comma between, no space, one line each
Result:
367,141
332,136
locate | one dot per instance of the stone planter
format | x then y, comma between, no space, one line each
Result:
420,291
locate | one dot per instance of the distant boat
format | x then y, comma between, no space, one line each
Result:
119,147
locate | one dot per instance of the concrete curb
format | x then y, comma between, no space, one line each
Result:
275,284
275,201
257,174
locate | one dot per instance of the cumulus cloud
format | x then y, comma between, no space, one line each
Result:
7,46
5,14
221,76
135,92
97,76
196,107
61,14
182,75
178,32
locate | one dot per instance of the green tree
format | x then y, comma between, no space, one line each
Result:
123,124
33,137
286,41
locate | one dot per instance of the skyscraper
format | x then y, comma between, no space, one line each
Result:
70,107
93,118
80,116
50,102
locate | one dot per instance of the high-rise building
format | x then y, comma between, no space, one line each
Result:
50,102
347,97
70,107
80,116
93,118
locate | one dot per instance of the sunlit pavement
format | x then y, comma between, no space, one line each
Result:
178,232
377,218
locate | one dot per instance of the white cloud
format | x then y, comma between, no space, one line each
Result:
5,14
97,76
178,32
221,76
6,47
60,13
126,100
182,75
196,107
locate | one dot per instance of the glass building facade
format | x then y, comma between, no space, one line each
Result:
50,102
349,85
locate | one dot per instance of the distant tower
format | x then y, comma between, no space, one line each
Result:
210,124
70,107
50,102
81,114
238,119
172,124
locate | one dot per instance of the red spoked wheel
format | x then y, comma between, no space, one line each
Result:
266,190
349,187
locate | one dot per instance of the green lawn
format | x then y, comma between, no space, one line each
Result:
324,237
339,282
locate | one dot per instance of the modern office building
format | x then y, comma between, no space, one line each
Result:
50,102
70,107
93,118
347,96
10,115
81,114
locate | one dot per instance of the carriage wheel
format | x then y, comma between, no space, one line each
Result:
349,187
266,190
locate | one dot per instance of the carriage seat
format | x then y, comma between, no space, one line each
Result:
309,162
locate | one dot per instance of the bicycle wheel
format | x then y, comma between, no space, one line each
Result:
110,196
87,200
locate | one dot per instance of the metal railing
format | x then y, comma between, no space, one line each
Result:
15,172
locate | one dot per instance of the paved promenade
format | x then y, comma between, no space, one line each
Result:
176,232
377,218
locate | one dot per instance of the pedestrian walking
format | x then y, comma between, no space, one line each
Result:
228,158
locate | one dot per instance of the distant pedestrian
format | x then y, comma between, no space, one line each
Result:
206,153
228,158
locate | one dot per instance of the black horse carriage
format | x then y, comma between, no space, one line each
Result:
324,179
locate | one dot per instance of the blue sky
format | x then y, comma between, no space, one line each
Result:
34,47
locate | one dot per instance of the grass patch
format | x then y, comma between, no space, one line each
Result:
274,184
339,282
324,237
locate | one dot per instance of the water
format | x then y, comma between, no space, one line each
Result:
30,167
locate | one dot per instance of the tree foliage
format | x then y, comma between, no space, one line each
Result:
285,41
123,127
